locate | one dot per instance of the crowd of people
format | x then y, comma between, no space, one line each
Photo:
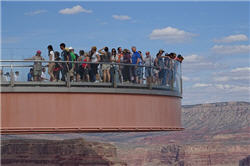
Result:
104,65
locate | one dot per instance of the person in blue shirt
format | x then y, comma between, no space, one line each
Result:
135,60
30,75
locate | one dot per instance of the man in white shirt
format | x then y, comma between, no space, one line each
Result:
16,76
43,75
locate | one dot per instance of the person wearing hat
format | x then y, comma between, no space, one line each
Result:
37,65
72,66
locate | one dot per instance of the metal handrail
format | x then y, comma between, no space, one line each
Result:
79,62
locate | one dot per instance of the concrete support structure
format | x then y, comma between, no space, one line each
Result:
76,109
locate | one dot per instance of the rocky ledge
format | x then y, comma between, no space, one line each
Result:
58,152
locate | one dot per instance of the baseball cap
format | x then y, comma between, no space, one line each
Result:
38,52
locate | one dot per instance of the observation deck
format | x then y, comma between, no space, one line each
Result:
70,106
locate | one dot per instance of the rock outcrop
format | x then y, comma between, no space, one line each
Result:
58,153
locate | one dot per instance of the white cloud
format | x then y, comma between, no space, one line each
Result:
201,85
224,87
235,49
171,35
196,63
121,17
241,69
230,78
232,38
32,13
222,78
193,58
74,10
184,78
238,75
233,88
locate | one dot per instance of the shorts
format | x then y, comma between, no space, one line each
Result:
148,72
105,66
133,71
155,71
37,73
71,72
138,72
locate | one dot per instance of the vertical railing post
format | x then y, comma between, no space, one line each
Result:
68,80
172,75
12,79
181,79
115,77
150,77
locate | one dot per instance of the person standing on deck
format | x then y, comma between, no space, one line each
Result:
105,57
135,61
37,65
51,65
72,58
94,58
64,58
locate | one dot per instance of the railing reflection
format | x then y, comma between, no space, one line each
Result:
108,74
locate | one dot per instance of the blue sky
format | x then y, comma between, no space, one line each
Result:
213,37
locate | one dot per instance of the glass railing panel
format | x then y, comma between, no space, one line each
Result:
164,77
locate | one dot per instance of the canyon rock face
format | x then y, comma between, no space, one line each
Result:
215,134
54,153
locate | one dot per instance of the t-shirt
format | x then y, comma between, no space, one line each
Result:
16,78
148,61
120,56
37,65
64,55
126,58
43,76
114,58
29,77
168,62
161,62
84,64
51,56
73,58
106,57
94,57
135,56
